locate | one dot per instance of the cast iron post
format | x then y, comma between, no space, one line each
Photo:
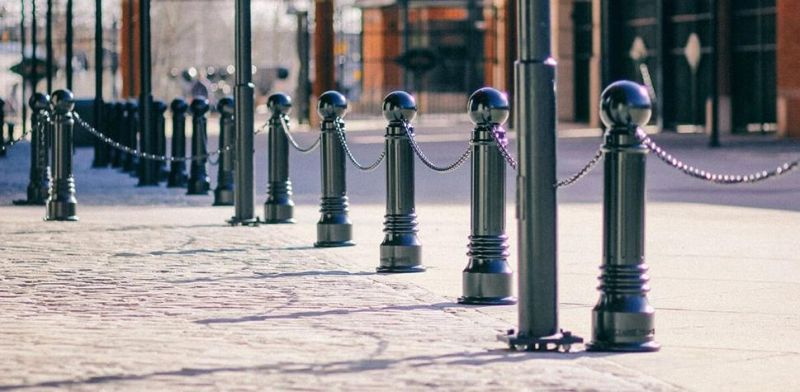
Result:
61,204
177,170
487,278
148,168
39,178
244,208
223,193
198,177
279,207
100,150
334,227
129,135
622,320
400,250
118,129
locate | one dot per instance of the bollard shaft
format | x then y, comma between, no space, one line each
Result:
62,204
198,176
177,173
224,192
279,207
39,175
334,227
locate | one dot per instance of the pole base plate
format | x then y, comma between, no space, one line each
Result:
234,221
646,347
560,342
487,300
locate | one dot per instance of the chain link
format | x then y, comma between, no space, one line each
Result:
141,154
22,137
441,169
583,172
724,179
502,145
288,133
339,124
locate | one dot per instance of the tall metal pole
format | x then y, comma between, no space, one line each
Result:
100,157
535,121
69,40
48,42
243,104
148,172
24,76
34,73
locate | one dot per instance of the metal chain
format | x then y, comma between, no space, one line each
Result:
343,141
141,154
11,143
583,172
427,162
724,179
502,146
288,133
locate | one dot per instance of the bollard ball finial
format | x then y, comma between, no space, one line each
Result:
199,106
226,106
39,101
178,105
625,103
159,107
63,101
279,103
399,106
488,106
131,105
332,104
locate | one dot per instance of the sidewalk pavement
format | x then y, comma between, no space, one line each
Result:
167,297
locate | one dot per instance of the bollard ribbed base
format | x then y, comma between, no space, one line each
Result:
278,213
223,197
401,258
330,235
61,211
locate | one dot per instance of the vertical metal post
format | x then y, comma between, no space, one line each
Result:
129,135
2,126
334,227
223,193
244,208
279,207
118,127
24,74
400,250
48,42
622,320
159,138
177,172
62,205
100,155
198,176
69,39
487,279
148,168
535,119
39,178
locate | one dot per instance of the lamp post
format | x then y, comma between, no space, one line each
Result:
244,210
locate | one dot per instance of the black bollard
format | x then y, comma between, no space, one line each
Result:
198,177
400,250
177,170
129,162
117,126
487,279
279,207
334,227
39,175
2,127
223,193
101,158
148,170
160,129
622,320
61,204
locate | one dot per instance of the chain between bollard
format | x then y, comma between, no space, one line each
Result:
583,172
723,179
503,147
163,158
441,169
343,141
22,137
295,145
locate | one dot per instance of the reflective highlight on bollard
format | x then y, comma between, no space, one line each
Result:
623,319
487,279
400,250
334,227
177,170
279,207
223,193
62,204
198,176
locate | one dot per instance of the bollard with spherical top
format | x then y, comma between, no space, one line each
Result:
62,205
400,250
160,126
334,227
623,319
177,169
279,207
223,193
39,175
487,279
198,176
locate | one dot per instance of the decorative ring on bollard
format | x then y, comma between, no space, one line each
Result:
400,250
62,204
334,227
622,320
198,176
487,279
279,207
223,193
